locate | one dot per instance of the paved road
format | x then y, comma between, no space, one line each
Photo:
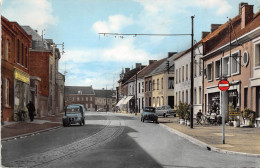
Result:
114,140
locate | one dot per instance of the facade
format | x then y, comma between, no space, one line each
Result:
105,99
183,79
84,95
40,56
235,58
14,69
60,100
163,82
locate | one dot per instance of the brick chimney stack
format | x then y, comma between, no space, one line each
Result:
247,14
204,34
127,70
138,65
214,27
152,61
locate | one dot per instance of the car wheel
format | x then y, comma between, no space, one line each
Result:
80,123
164,115
143,119
64,125
83,122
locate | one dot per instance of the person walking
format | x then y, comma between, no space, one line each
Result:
31,109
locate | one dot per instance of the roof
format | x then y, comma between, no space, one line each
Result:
162,67
147,70
130,74
84,90
37,41
221,37
187,51
105,93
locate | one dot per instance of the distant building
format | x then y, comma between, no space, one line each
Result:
84,95
105,99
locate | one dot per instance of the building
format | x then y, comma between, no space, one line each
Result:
84,95
183,79
60,99
105,99
40,68
163,82
231,52
14,69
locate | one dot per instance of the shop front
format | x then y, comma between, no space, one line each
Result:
21,92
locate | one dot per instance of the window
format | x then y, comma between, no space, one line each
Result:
195,68
200,67
187,96
195,96
77,98
235,63
153,101
171,83
139,87
90,98
26,56
179,95
150,85
176,98
187,72
6,49
176,76
162,100
182,96
22,54
158,84
257,55
158,101
18,51
142,87
86,106
218,69
146,86
6,92
50,72
86,98
245,97
153,85
179,75
209,72
162,83
245,58
200,95
225,66
182,74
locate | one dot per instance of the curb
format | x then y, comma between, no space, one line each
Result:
204,145
29,134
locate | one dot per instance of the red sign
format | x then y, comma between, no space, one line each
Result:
223,85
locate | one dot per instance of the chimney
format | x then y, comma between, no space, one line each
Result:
204,34
138,65
214,27
127,70
247,14
152,61
171,54
241,4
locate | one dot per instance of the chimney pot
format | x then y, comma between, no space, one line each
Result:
204,34
247,14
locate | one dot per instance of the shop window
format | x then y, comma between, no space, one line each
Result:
218,69
235,63
209,72
225,66
257,55
6,92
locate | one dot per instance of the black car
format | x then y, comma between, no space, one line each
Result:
74,114
149,114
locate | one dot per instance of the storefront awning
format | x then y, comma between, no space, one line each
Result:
127,99
120,102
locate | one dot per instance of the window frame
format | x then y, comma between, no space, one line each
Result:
211,73
220,69
237,62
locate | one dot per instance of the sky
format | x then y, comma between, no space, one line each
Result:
97,60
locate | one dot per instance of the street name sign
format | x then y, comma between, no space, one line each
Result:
223,85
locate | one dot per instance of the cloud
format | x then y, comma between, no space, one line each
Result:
114,24
35,13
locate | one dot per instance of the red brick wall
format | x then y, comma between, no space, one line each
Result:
39,66
69,100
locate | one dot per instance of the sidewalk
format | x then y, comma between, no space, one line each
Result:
16,129
237,140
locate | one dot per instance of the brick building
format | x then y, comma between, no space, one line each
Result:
80,95
14,69
232,52
105,99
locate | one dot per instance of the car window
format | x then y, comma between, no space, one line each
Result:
73,110
149,109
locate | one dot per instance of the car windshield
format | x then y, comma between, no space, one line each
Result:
149,109
73,110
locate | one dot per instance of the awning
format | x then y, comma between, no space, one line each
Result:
127,99
120,102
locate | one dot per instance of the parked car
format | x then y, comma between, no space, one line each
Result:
165,111
149,114
74,114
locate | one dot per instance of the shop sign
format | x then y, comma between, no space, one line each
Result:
223,85
20,75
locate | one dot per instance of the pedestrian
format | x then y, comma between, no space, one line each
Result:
31,109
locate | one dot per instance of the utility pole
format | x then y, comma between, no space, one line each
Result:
191,76
136,107
106,99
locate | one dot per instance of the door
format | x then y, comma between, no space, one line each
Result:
258,101
171,101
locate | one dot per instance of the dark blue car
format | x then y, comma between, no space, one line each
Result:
74,114
149,114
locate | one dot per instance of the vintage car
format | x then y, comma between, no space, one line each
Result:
100,110
149,114
74,114
165,111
